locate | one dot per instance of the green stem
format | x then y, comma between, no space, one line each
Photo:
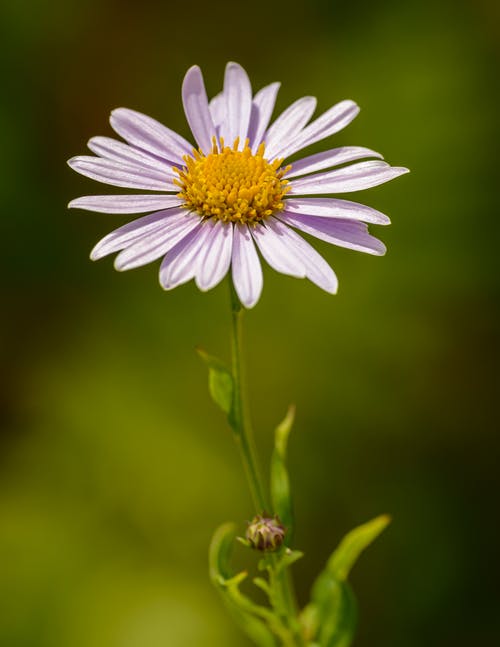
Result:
243,435
242,428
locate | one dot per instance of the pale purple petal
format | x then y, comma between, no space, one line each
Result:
246,269
125,203
181,262
238,96
112,149
330,122
131,177
135,230
194,98
288,125
275,251
262,110
317,269
150,135
330,158
156,244
344,233
350,178
217,107
216,257
335,208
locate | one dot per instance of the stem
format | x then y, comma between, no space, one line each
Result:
243,435
242,428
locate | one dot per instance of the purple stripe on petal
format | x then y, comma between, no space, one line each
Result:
335,208
330,122
133,231
288,124
128,176
150,135
238,96
246,269
274,249
344,233
156,244
333,157
181,262
262,110
112,149
350,178
194,98
317,269
216,257
124,203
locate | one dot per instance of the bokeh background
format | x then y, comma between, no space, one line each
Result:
115,466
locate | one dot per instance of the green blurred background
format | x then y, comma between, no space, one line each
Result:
115,466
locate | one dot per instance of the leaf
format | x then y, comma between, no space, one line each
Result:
288,558
244,611
331,617
280,482
220,381
333,611
353,544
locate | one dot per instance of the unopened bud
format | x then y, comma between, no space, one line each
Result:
265,533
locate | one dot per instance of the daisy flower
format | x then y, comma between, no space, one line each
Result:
215,205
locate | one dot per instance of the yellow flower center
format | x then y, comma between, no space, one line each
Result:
233,185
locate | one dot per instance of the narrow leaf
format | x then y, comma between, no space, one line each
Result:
280,482
220,381
353,544
332,615
242,608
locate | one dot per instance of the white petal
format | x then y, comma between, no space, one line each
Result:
198,116
156,244
335,208
330,122
275,251
344,233
217,107
238,96
181,262
246,269
216,257
330,158
125,175
125,203
350,178
288,125
317,269
135,230
112,149
262,110
150,135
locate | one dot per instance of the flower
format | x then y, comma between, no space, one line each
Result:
214,206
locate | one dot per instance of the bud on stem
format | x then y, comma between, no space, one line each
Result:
265,533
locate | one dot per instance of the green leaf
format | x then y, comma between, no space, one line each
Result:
220,381
287,558
353,544
280,482
330,619
336,611
251,618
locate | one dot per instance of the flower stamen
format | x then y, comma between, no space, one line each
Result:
232,185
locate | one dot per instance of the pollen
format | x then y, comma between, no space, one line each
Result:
232,185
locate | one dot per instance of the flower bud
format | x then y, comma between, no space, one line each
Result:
265,533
